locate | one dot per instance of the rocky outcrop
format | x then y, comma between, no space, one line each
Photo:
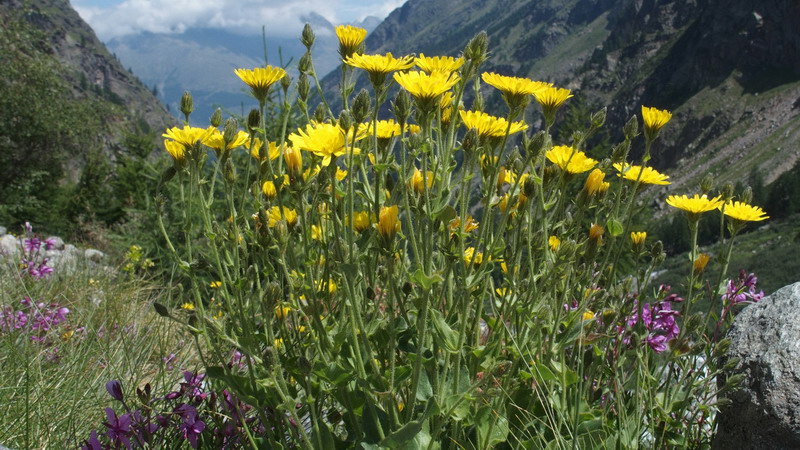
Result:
765,411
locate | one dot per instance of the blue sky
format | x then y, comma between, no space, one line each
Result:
115,18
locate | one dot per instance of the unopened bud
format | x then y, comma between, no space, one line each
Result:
286,81
361,107
529,187
731,363
620,151
707,184
230,131
216,118
187,105
657,252
746,195
727,191
471,140
402,106
345,120
304,64
722,346
319,113
599,118
303,87
307,37
477,48
253,120
230,171
631,128
537,143
734,381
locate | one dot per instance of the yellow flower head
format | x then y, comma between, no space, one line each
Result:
388,223
588,315
469,225
260,79
278,343
282,311
293,159
186,137
350,39
446,105
490,126
472,256
594,182
188,306
275,216
654,119
701,262
515,89
417,179
360,221
322,139
426,87
330,285
384,129
638,237
217,141
646,175
569,159
269,190
744,212
445,64
551,98
377,66
215,284
273,149
596,232
554,242
694,205
175,149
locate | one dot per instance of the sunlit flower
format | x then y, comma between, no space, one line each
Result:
594,182
388,223
360,221
648,174
175,149
515,89
350,39
425,87
469,225
256,146
638,237
444,64
596,232
694,205
215,284
278,343
588,315
275,216
569,159
472,257
744,212
701,262
260,79
654,119
551,98
187,137
446,105
282,311
269,190
217,141
377,66
417,179
490,126
330,286
322,139
188,306
554,242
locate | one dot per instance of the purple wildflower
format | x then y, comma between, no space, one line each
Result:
119,428
32,245
114,389
93,443
191,426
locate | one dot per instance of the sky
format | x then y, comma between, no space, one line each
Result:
116,18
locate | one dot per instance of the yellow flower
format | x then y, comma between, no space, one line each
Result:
316,232
384,129
638,237
340,174
551,98
278,343
424,86
377,66
260,79
694,205
217,141
388,223
416,181
469,225
273,149
445,64
268,188
187,306
588,315
187,137
175,149
322,139
446,105
569,159
360,221
594,182
515,89
282,311
472,257
654,119
554,242
331,286
490,126
701,262
648,174
596,232
275,216
744,212
350,39
215,284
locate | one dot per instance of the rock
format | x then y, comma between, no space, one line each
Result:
3,230
56,243
94,255
9,245
764,412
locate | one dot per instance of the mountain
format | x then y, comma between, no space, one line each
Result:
202,60
728,69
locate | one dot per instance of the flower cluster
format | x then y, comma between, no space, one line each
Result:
742,290
34,263
45,323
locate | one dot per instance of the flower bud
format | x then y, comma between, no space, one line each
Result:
537,143
620,151
319,113
727,192
303,87
230,131
529,187
307,37
700,263
471,140
216,118
631,128
747,195
722,347
599,118
707,184
253,120
304,64
657,252
229,171
477,48
345,120
402,106
361,107
187,105
388,223
114,389
286,81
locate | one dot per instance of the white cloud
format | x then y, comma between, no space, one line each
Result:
281,18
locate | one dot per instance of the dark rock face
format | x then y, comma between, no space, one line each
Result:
765,412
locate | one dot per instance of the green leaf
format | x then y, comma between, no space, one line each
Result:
614,227
424,280
492,427
446,214
447,336
424,388
404,435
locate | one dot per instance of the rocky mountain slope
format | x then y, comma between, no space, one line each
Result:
728,69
